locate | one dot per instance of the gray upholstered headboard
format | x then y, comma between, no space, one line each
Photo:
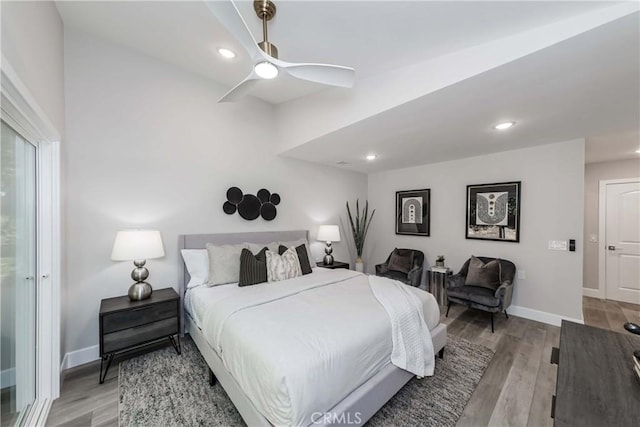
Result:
199,241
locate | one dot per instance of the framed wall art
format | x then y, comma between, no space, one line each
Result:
493,212
412,212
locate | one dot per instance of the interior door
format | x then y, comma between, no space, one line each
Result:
622,259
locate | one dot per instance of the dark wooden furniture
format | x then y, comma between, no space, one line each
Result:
125,324
596,385
336,264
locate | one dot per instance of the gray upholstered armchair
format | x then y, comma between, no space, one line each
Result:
492,297
414,276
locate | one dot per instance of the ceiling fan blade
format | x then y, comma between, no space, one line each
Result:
241,89
227,13
332,75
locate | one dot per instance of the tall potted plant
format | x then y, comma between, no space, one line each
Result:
359,228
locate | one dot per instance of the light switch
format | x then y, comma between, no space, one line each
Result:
593,238
522,274
558,245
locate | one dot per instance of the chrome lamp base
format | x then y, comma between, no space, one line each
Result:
328,258
140,290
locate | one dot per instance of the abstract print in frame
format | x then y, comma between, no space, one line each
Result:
493,212
412,212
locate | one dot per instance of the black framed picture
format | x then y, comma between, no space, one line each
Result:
493,212
412,212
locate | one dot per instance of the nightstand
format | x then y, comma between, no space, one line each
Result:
336,264
126,324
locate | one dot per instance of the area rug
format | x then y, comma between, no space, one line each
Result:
164,389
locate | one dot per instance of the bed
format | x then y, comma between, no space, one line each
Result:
342,361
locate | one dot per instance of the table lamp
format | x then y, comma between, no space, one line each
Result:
328,233
138,246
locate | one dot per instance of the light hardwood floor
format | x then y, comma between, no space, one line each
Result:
515,390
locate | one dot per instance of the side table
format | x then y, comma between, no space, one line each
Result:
437,279
336,264
126,324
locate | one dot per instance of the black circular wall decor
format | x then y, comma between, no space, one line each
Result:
268,211
251,207
229,208
234,195
263,195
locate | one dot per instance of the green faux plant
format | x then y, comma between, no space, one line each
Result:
360,225
440,258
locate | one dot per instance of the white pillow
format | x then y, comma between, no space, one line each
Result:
197,263
299,242
224,263
282,267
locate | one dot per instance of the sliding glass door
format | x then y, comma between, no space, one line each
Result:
18,276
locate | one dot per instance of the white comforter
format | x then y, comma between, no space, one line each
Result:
300,346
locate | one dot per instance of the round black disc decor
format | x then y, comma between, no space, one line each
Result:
234,195
249,207
264,195
268,211
229,208
275,199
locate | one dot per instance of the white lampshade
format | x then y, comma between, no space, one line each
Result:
329,233
137,245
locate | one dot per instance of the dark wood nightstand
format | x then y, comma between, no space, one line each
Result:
126,324
336,264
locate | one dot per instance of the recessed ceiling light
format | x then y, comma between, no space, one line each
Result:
504,125
266,70
638,151
227,53
371,157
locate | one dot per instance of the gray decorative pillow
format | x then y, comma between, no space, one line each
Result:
483,275
401,260
224,263
282,267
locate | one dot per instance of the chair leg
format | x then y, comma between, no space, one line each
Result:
505,314
448,307
491,322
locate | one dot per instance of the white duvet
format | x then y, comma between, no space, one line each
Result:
299,346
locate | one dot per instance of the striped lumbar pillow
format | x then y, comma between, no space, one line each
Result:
253,268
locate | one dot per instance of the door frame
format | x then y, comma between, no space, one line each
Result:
602,232
20,110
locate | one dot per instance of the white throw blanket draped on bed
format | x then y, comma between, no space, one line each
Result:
412,344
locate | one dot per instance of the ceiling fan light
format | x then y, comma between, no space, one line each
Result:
266,70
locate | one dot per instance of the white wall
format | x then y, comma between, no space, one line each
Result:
148,146
551,208
593,173
32,42
33,45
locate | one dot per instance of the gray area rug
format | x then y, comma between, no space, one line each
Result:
164,389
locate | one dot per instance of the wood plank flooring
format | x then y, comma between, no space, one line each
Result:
515,390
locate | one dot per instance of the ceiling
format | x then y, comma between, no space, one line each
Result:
372,36
586,86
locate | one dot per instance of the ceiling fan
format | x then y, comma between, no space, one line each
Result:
264,55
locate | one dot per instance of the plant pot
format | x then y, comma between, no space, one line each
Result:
359,265
439,263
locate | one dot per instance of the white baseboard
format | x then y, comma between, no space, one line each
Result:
593,293
540,316
8,378
80,357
